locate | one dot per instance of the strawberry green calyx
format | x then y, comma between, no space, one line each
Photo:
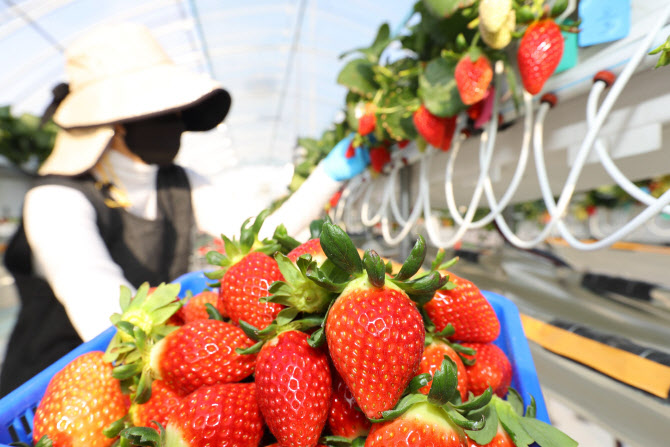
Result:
443,337
236,249
298,290
341,251
144,436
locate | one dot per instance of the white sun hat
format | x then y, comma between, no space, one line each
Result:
120,73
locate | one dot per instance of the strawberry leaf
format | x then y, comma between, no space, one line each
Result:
438,90
339,249
113,429
476,403
318,338
418,382
471,422
511,422
286,242
488,432
414,261
375,268
445,383
545,435
359,77
213,312
531,411
445,8
249,330
405,404
142,436
422,290
515,401
251,349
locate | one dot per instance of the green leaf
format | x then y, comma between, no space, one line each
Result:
414,261
216,258
339,249
422,289
142,436
113,429
558,8
125,297
545,435
511,422
405,404
438,89
531,411
213,312
445,383
471,422
318,338
251,349
488,432
515,401
285,316
418,382
476,403
123,372
445,8
286,242
143,393
315,228
249,330
375,268
358,76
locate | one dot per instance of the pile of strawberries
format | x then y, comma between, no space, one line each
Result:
315,347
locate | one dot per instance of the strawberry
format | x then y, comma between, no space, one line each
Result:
222,414
473,74
432,358
502,37
540,51
294,386
344,417
195,309
368,120
312,247
351,151
200,353
423,425
244,283
157,408
374,331
491,368
437,131
465,307
80,400
379,157
493,14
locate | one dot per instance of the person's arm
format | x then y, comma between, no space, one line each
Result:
60,225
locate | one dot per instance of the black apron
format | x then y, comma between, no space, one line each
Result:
147,250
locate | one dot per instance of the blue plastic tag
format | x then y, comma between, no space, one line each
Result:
603,21
570,50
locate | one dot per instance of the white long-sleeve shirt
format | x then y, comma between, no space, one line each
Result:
60,225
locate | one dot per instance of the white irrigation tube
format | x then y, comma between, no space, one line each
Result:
606,160
557,210
414,215
479,188
497,207
350,194
365,212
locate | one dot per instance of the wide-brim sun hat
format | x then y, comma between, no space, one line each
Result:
120,73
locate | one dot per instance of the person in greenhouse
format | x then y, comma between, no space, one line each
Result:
110,207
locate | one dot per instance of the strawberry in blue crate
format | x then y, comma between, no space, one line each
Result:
377,331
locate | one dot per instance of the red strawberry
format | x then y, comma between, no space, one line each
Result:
432,360
437,131
79,402
195,309
312,247
294,387
540,51
374,331
379,157
403,144
157,408
345,418
202,353
473,75
222,414
423,425
491,368
244,283
466,309
368,121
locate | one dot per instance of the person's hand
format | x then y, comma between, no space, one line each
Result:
342,163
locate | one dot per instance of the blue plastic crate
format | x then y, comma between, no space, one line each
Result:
17,409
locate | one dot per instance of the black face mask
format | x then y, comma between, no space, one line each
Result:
155,140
